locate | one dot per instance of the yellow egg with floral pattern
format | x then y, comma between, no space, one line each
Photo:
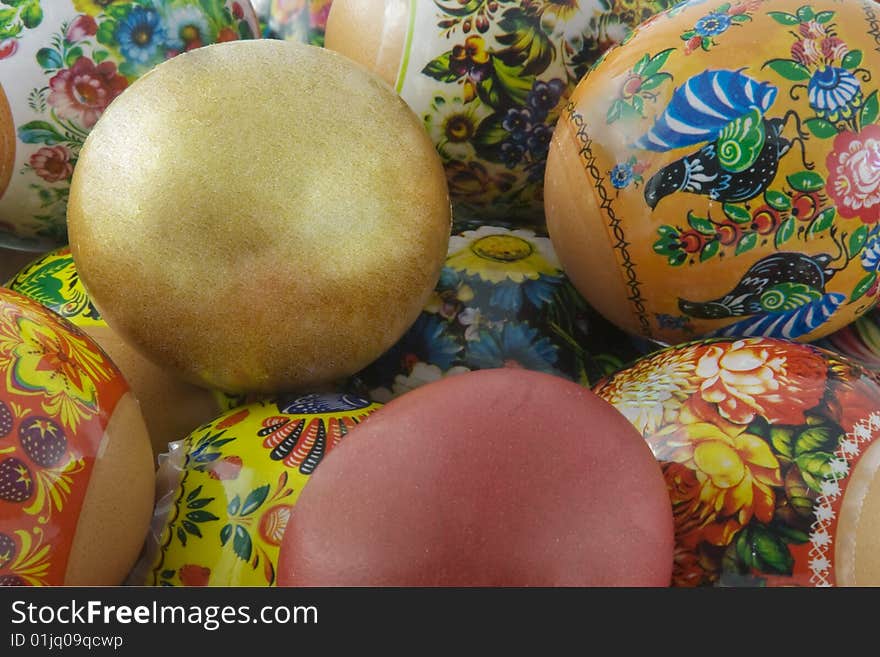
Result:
770,454
226,491
76,480
718,174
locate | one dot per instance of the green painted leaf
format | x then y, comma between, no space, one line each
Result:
254,500
852,59
234,505
32,14
181,536
72,55
701,225
100,55
242,544
49,59
225,534
7,16
737,214
815,468
822,222
870,110
785,232
744,549
821,128
667,231
528,46
489,135
824,16
639,66
805,14
39,132
863,286
201,516
709,250
657,62
790,534
771,552
784,18
116,11
654,81
514,82
781,439
806,181
439,68
194,494
192,528
790,69
746,243
777,200
857,240
614,111
167,574
677,259
820,438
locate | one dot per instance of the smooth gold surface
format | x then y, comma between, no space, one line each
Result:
371,32
259,216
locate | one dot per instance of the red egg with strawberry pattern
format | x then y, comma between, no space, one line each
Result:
76,474
769,454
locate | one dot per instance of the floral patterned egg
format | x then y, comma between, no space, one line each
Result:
718,175
225,492
769,453
76,480
62,62
171,407
488,77
502,301
298,20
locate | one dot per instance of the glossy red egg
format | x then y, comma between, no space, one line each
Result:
499,477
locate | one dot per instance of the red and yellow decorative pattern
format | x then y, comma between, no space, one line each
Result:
57,393
757,439
235,483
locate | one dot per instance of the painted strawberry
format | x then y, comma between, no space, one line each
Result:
12,580
5,420
16,481
7,549
43,441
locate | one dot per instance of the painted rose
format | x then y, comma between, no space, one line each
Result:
854,174
761,377
52,163
719,477
81,27
8,47
82,92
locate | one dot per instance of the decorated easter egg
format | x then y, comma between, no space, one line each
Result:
717,175
226,492
171,407
502,477
298,20
488,80
770,459
502,301
294,266
76,480
63,63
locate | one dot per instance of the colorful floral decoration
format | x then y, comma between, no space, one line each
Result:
502,301
59,80
52,280
710,163
859,341
57,393
757,439
233,483
489,79
298,20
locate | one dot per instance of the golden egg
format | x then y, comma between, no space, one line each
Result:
259,216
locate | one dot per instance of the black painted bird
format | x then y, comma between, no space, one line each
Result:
725,112
779,282
702,172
